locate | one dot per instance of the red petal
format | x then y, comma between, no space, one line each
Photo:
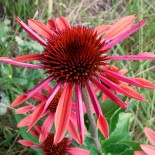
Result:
51,24
142,56
124,35
18,100
30,32
24,122
35,116
18,63
102,124
123,89
145,82
62,23
46,127
63,113
94,100
120,27
28,57
40,28
148,149
124,78
109,93
26,142
139,153
150,135
72,131
79,112
133,93
78,151
102,28
24,109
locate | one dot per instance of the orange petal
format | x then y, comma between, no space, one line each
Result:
139,153
134,93
102,28
145,82
150,135
72,131
18,100
36,115
63,113
40,28
62,23
120,27
102,124
46,127
148,149
24,122
26,142
123,71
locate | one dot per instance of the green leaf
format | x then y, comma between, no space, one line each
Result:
115,149
122,126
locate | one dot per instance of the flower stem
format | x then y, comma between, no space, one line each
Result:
88,104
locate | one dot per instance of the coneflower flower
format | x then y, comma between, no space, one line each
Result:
147,149
49,148
35,113
74,56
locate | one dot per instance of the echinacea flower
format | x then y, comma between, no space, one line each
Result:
35,113
49,148
112,83
147,149
74,56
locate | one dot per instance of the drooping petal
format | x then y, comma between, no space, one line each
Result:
62,23
39,87
48,88
123,71
120,27
139,153
40,28
26,142
24,109
72,131
51,24
24,122
126,91
24,97
124,35
46,127
145,82
18,101
52,95
148,149
30,32
39,96
63,113
142,56
35,116
150,135
94,100
133,93
109,93
102,28
124,78
103,126
78,151
79,112
28,57
18,63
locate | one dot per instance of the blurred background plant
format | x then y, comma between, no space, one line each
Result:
124,126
